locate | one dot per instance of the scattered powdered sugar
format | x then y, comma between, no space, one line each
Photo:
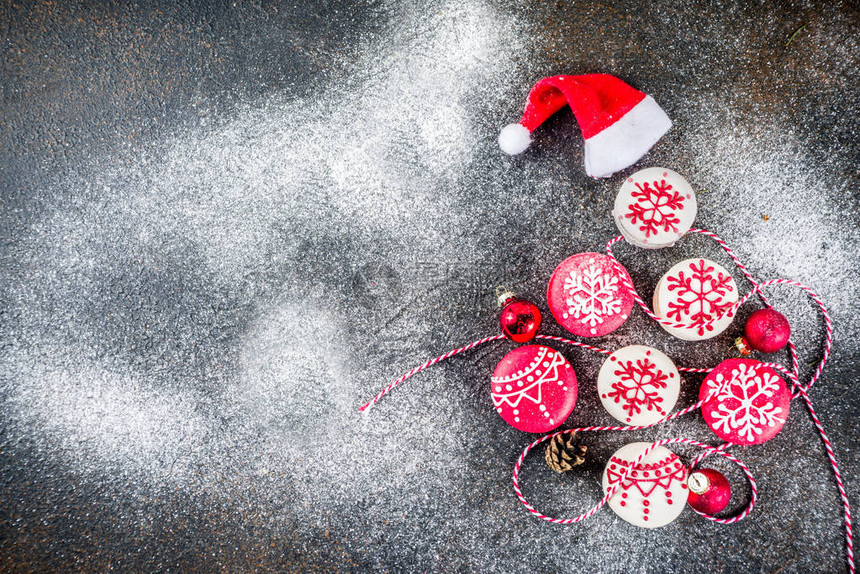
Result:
786,214
170,321
776,199
376,148
107,421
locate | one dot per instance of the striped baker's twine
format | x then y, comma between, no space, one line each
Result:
799,390
648,312
706,324
795,363
846,507
757,289
429,363
473,344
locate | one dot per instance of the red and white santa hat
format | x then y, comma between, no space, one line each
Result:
618,122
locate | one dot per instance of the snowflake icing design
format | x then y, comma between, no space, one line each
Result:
592,295
700,296
737,411
655,207
638,387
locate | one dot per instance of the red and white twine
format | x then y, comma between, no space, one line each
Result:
799,390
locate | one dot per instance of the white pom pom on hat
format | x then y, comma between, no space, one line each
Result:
619,123
514,139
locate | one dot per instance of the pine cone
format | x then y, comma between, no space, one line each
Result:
564,452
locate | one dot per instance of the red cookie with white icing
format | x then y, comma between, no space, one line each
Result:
534,388
655,491
654,208
693,293
587,294
749,402
638,385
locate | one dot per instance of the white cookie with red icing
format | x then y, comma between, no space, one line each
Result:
654,208
638,385
693,293
655,491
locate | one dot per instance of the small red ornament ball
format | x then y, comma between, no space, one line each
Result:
520,320
767,331
709,491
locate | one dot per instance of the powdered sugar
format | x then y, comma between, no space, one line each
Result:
173,325
786,214
109,421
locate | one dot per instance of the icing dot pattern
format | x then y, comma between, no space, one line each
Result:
646,497
534,388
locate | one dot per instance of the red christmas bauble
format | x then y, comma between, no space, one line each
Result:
767,330
534,388
709,491
520,320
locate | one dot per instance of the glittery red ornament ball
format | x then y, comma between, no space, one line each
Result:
709,491
767,330
520,320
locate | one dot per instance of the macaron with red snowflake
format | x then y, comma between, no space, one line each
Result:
654,208
745,402
698,297
638,385
653,493
588,294
534,388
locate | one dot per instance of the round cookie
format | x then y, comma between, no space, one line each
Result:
694,292
655,491
749,404
638,385
587,294
534,388
654,208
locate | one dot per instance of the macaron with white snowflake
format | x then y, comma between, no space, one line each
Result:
697,296
638,385
745,402
589,294
654,208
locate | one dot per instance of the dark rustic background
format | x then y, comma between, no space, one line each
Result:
226,225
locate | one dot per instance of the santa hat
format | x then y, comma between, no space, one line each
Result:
618,122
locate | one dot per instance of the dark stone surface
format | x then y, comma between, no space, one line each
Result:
225,226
